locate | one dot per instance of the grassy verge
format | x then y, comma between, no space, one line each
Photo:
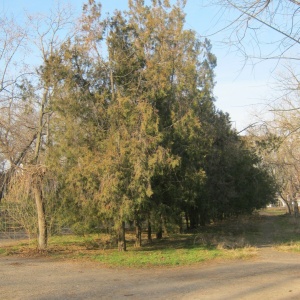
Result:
285,231
290,247
176,250
170,257
288,237
231,239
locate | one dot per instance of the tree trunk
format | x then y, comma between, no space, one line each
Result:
164,225
193,219
159,232
4,181
202,218
138,234
180,223
42,224
187,221
286,201
149,232
121,238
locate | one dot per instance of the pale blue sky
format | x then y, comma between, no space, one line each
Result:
240,89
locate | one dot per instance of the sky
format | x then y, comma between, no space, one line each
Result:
241,90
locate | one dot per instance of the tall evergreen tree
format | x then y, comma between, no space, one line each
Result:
136,134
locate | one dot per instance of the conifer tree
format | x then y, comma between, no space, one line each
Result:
136,134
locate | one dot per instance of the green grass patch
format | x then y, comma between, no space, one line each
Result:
175,250
169,257
3,251
66,240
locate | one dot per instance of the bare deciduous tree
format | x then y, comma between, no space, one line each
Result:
279,139
261,29
15,139
25,112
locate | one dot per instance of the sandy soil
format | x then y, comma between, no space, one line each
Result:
272,275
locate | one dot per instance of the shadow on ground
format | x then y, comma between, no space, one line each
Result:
260,230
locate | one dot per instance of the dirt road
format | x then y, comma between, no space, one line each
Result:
271,275
274,275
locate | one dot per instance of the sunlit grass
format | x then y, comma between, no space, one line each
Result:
170,257
289,247
177,250
231,239
273,211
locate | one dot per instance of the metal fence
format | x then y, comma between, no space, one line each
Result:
10,228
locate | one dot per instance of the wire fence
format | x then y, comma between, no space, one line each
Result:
10,229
